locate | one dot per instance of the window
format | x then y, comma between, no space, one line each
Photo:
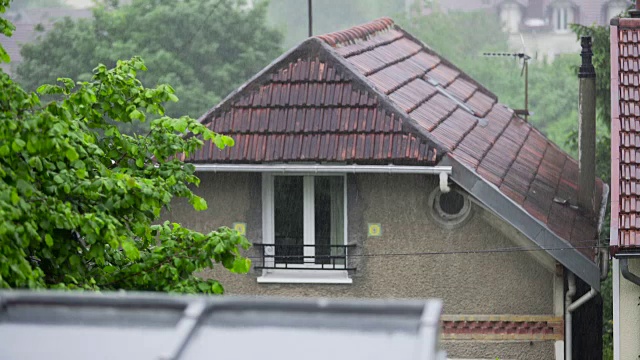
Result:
510,16
561,17
304,223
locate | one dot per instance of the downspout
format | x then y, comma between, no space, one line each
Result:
626,273
444,182
571,307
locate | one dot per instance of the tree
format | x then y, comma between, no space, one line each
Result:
204,48
79,200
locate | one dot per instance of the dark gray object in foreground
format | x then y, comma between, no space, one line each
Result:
55,325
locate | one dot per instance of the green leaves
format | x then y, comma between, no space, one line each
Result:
72,154
71,178
17,145
130,250
198,203
48,240
241,266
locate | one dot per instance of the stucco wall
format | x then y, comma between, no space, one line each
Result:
505,350
485,283
482,283
630,315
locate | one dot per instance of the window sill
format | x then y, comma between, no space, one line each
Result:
292,276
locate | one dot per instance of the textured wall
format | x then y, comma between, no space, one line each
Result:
494,283
630,315
506,350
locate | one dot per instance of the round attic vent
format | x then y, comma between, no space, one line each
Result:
449,209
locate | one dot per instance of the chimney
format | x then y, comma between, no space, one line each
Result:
635,12
587,131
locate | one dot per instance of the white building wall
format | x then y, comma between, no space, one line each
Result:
628,313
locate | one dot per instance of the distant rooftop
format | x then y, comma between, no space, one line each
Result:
26,22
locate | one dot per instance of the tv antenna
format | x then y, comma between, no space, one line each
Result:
525,71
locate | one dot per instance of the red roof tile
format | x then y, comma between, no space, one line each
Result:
625,144
374,94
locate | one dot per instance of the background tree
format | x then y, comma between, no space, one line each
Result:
79,199
204,48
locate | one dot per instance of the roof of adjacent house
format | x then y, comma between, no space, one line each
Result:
160,326
373,94
625,142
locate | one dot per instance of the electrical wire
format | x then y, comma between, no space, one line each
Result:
455,252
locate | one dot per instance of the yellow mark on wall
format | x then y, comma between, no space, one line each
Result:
241,228
375,229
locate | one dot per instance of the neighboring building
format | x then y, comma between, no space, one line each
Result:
543,24
366,165
147,326
30,24
625,187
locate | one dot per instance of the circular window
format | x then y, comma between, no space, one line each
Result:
449,209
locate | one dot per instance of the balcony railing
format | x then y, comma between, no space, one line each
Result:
304,257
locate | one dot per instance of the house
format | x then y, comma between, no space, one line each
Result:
625,214
37,325
30,24
366,165
543,25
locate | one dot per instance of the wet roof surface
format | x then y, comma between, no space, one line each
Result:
625,126
374,94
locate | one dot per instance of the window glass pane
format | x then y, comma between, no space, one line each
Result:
329,220
288,219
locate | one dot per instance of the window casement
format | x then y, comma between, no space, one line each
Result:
304,228
561,17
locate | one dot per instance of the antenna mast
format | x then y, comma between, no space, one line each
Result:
310,11
525,70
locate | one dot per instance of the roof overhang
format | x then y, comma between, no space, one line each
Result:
323,168
491,197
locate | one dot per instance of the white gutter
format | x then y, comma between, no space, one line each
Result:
320,168
442,171
571,307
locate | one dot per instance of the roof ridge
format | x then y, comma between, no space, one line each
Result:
357,33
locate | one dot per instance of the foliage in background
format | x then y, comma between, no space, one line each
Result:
204,48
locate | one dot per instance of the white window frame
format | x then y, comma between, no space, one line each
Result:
299,273
563,15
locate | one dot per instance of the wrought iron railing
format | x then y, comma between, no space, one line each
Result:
317,257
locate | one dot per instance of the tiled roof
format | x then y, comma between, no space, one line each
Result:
625,126
375,94
502,327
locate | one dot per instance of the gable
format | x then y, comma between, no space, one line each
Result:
306,107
